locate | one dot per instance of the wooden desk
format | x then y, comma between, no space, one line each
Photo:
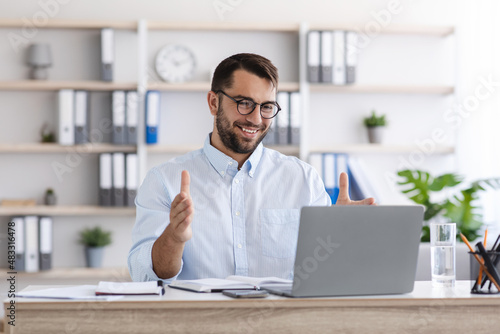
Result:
426,310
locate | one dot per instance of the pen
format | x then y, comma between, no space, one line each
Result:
481,263
480,277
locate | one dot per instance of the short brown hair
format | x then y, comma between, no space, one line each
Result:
253,63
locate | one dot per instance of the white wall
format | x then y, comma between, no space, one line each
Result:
387,59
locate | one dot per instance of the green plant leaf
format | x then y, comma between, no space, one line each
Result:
95,237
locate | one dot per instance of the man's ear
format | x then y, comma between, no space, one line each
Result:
213,102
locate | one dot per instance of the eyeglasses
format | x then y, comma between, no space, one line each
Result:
246,106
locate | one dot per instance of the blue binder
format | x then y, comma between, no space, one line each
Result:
152,116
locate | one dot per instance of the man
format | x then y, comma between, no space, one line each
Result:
237,212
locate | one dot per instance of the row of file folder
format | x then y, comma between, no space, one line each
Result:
332,56
286,127
33,243
118,179
74,117
330,165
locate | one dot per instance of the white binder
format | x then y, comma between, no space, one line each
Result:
326,56
31,246
107,54
313,56
119,117
45,228
66,127
295,118
20,242
351,56
132,179
105,179
339,70
118,193
81,117
283,118
132,111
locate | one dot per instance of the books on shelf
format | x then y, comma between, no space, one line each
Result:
229,283
332,56
33,238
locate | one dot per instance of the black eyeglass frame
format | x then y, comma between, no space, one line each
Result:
255,104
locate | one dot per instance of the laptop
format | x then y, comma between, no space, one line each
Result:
355,250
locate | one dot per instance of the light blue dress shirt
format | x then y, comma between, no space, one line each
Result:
245,222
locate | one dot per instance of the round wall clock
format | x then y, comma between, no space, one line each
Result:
175,63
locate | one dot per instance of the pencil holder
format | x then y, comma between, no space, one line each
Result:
481,283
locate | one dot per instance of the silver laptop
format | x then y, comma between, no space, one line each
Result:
356,250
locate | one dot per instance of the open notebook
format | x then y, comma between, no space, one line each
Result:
229,283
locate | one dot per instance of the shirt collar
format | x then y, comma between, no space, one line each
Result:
222,162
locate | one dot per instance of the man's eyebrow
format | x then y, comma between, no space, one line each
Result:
241,97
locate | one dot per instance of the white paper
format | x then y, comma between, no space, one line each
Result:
79,292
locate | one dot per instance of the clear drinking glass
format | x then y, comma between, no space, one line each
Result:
443,246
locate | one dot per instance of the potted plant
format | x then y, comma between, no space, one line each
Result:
50,197
94,240
375,126
459,208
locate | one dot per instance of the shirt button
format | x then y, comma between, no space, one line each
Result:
236,181
237,213
251,173
240,246
222,172
230,163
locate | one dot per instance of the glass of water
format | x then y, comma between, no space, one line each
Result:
443,244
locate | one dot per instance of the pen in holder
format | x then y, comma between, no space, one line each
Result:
482,282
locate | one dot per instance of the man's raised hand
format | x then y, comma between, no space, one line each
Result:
344,198
181,212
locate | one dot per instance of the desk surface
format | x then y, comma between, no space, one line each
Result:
183,311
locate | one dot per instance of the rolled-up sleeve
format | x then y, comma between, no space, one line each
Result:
152,217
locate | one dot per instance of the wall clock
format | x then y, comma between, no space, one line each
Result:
175,63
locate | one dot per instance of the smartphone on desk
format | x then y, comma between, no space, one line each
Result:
245,293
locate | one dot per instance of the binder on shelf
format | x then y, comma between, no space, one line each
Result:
326,56
316,161
360,186
118,193
119,117
66,127
270,138
131,180
45,242
313,56
295,118
105,179
20,242
31,246
283,119
351,57
153,98
132,111
107,54
331,183
339,70
81,117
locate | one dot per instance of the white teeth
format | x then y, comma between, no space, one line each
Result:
249,131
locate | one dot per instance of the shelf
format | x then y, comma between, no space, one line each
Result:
205,86
71,24
382,89
379,148
66,210
438,31
56,148
224,26
182,149
48,85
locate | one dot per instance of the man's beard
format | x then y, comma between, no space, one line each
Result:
229,137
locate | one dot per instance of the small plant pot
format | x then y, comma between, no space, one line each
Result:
375,134
50,199
93,256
